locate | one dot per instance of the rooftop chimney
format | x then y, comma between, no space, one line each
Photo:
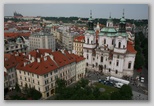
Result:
38,60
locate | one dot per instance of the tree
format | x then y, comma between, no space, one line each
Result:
17,88
83,82
116,95
139,60
126,92
34,94
60,85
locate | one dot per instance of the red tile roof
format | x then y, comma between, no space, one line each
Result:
130,47
78,58
15,34
47,65
79,38
9,61
39,68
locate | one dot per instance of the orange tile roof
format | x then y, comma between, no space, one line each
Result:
130,47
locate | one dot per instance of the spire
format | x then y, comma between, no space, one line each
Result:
110,15
90,13
123,13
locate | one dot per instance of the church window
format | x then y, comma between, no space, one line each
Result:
112,41
117,63
87,56
88,40
119,44
116,72
104,41
129,65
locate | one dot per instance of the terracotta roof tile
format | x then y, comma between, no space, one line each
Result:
130,47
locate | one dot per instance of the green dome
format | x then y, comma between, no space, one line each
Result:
108,30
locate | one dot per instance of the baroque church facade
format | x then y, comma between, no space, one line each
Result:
109,51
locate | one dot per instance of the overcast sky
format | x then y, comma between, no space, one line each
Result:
132,11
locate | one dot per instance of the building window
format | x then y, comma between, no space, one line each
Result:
112,41
117,63
86,64
93,65
109,69
96,64
129,65
87,56
38,83
116,71
37,76
93,58
119,45
104,41
88,40
110,62
123,46
118,56
101,58
105,66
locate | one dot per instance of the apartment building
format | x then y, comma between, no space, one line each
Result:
42,67
10,63
42,40
78,45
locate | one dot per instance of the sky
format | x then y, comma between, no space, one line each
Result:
132,11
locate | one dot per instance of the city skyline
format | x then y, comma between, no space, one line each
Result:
132,11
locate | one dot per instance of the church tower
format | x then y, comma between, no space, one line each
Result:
109,22
90,43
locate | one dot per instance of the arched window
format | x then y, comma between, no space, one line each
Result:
129,65
116,71
88,40
117,62
119,45
104,41
112,41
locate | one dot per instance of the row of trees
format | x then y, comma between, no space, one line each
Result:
141,46
81,91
